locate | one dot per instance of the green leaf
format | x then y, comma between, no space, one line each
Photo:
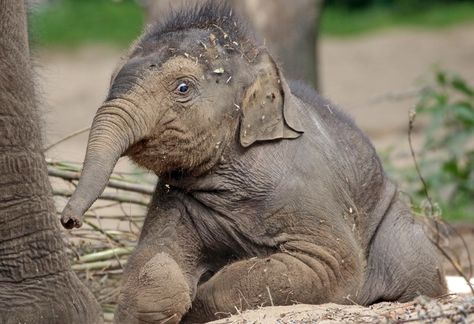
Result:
441,77
464,112
461,85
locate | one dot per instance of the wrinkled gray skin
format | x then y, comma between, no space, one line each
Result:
290,29
37,284
266,189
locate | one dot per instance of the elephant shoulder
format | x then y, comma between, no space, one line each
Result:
323,106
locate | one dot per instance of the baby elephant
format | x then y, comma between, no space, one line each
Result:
268,194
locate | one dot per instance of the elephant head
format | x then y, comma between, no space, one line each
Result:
180,98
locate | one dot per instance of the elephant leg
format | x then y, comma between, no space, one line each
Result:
160,279
301,273
402,262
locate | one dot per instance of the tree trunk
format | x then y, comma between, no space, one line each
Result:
290,29
36,282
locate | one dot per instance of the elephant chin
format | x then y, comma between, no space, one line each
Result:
110,137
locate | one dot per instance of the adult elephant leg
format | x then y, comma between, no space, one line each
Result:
303,273
37,284
161,276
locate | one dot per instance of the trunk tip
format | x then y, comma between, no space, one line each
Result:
70,219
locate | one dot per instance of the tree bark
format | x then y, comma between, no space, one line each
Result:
37,284
290,30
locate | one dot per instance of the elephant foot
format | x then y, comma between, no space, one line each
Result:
53,299
305,273
158,293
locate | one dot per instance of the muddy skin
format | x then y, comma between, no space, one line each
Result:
266,188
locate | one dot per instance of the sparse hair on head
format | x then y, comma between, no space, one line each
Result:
214,15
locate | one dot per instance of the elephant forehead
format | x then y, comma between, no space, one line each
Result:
169,44
202,45
178,54
180,66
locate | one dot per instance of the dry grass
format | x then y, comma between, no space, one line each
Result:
99,250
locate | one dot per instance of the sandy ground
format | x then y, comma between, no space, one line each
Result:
358,74
450,309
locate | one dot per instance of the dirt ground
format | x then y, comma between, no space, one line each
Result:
360,74
449,309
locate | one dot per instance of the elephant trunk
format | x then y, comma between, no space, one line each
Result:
113,132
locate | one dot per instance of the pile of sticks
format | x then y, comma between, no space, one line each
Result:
99,250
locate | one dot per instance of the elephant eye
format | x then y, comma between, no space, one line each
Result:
185,90
182,88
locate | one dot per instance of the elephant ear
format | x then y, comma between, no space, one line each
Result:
268,110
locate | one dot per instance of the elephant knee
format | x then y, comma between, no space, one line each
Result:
159,292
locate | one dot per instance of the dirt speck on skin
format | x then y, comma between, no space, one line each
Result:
449,309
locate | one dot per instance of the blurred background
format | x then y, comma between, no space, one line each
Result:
377,59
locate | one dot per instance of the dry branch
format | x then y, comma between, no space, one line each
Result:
74,134
99,250
116,184
99,265
110,196
431,215
103,255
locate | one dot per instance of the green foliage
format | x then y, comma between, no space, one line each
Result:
75,22
398,4
337,21
69,23
447,158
